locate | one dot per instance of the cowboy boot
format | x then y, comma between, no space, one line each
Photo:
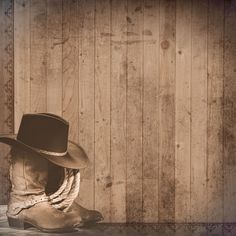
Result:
28,205
87,216
82,215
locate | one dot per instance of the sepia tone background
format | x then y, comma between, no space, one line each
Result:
149,89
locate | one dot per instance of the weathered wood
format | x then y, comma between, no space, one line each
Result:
38,56
167,112
102,108
54,56
199,112
229,112
149,90
118,110
134,111
150,110
22,60
215,112
183,111
70,67
86,97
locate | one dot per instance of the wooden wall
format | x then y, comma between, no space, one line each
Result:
149,88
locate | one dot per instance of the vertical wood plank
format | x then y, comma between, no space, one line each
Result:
118,110
167,112
38,56
21,59
86,97
54,56
150,110
70,69
199,111
215,112
183,111
230,112
102,109
134,111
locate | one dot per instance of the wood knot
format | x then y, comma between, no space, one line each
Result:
165,44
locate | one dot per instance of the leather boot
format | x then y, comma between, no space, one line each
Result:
87,216
28,205
82,215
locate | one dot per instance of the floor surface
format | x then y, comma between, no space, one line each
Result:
134,229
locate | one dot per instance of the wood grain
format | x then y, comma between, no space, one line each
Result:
38,56
183,111
150,109
229,112
70,67
102,108
54,56
167,112
215,112
199,112
22,57
148,87
134,111
86,22
118,110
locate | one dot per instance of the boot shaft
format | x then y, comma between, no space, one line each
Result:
28,176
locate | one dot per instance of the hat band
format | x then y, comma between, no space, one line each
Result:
58,154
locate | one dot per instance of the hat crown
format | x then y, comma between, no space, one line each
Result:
44,131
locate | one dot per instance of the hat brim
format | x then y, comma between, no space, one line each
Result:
75,158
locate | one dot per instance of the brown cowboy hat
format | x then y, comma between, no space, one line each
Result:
47,135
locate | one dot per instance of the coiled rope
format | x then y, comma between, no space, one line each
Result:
63,198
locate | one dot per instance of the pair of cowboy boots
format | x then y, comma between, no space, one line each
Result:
29,205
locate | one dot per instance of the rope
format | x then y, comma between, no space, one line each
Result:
63,198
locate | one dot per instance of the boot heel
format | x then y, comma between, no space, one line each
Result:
17,223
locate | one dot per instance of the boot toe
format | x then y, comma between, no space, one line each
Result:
98,216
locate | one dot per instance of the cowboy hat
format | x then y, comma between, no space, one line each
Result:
47,135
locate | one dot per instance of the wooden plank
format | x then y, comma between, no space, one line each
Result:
134,111
118,110
167,112
199,111
86,97
229,112
215,112
38,56
54,56
21,59
183,111
150,110
102,109
70,67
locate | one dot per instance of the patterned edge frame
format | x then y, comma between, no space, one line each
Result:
9,67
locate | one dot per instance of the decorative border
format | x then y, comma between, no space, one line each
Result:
9,67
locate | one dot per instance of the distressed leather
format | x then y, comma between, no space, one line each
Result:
81,215
29,175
